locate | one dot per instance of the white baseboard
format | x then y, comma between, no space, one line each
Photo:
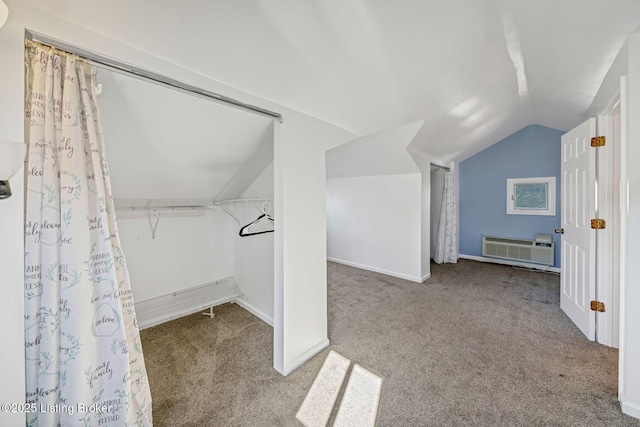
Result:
425,277
417,279
509,262
256,312
630,409
304,357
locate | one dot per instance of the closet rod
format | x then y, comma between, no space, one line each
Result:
447,168
146,75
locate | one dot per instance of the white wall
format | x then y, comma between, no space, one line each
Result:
300,212
253,256
611,82
263,185
374,223
425,226
186,252
437,192
300,310
251,173
12,228
253,266
12,301
380,160
424,165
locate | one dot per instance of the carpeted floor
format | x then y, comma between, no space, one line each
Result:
476,344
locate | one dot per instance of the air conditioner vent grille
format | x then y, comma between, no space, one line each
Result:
509,241
518,250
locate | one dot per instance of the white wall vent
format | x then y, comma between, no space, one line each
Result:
519,250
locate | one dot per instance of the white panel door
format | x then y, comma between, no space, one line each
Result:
578,241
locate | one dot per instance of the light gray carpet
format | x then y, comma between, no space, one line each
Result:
476,344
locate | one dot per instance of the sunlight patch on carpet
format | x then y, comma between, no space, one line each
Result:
359,405
317,406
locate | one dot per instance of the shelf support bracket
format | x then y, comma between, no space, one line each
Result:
209,313
231,214
154,227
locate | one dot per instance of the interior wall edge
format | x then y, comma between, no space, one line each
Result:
416,279
304,357
255,311
630,409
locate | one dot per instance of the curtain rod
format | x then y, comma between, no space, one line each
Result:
146,75
441,167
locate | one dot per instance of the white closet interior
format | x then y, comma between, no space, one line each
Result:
187,174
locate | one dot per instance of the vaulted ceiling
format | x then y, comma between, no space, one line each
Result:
474,70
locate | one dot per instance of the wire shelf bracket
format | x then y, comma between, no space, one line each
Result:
258,203
153,209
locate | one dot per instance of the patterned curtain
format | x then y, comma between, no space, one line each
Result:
447,239
84,359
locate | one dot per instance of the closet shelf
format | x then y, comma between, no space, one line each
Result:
153,208
258,203
181,303
231,202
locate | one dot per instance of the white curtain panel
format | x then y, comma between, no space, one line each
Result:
85,365
447,239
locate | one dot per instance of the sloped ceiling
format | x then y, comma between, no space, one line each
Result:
381,153
163,144
474,70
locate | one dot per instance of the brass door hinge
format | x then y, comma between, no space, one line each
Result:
598,224
597,306
598,141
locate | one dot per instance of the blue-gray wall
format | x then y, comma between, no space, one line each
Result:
531,152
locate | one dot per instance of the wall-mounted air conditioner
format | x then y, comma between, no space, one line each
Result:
537,252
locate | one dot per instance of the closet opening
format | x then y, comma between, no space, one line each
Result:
186,176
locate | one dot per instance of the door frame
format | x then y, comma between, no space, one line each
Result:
616,213
624,209
608,243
